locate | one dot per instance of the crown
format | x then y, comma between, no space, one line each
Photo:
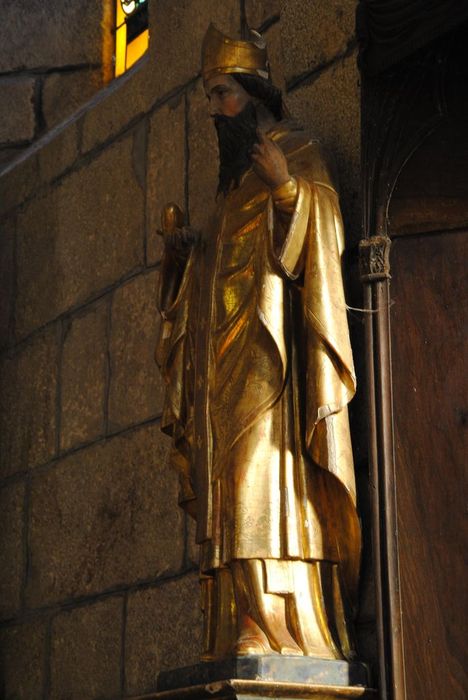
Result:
223,55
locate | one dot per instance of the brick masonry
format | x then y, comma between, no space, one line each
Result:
98,584
51,61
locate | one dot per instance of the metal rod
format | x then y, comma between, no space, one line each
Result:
374,493
388,506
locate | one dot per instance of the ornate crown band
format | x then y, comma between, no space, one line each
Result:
223,55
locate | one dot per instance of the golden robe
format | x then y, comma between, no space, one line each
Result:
256,355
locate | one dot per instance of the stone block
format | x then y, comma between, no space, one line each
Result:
8,153
64,92
11,548
139,151
84,377
314,33
136,387
39,38
79,237
163,631
275,56
165,170
299,676
259,11
178,31
330,108
18,181
41,275
86,651
28,400
17,110
22,660
121,102
6,279
103,517
203,159
59,153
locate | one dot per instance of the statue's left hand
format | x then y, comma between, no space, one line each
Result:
269,161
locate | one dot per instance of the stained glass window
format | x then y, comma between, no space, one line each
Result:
131,33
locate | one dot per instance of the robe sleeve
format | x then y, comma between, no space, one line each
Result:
172,356
172,303
312,246
309,256
292,204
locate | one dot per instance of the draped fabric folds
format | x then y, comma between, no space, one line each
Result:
255,351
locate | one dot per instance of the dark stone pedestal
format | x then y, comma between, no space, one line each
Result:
256,677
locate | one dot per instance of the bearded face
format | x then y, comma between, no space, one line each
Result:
236,137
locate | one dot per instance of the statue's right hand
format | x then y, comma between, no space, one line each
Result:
178,238
181,240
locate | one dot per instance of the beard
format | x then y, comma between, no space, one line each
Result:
236,137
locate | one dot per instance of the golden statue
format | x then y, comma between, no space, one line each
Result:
255,352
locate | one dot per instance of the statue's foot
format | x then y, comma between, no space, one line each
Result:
322,654
255,645
288,650
251,639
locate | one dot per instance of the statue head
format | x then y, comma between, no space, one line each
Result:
237,82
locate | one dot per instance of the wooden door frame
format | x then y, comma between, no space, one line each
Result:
401,107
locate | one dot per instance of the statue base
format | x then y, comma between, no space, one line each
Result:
275,676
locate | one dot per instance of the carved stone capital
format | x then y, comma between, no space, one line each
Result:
374,258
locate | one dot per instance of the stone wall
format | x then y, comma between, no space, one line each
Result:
52,58
98,584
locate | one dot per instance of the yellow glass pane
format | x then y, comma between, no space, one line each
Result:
137,48
119,13
121,49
